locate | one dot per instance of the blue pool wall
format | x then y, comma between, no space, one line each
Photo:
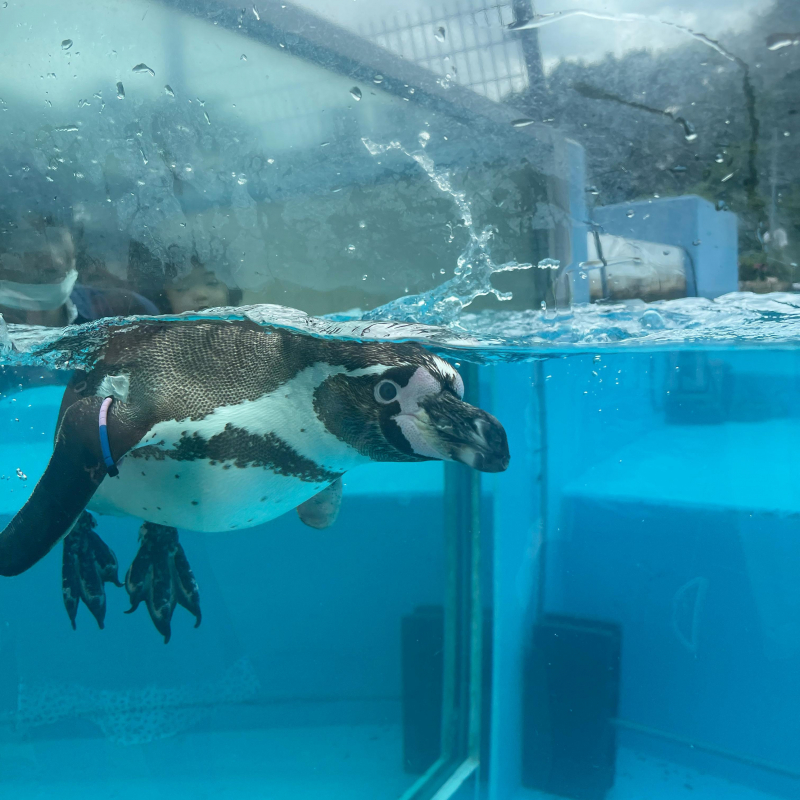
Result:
669,506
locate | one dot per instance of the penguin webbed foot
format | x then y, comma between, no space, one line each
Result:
160,576
87,564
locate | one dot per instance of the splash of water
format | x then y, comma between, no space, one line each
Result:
739,319
443,304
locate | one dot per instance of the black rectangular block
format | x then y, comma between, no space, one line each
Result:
571,695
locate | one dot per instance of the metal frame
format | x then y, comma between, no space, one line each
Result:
463,631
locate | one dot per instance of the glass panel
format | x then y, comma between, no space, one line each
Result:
578,205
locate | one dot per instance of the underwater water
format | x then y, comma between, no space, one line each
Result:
652,487
569,206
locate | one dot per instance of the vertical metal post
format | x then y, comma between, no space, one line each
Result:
529,40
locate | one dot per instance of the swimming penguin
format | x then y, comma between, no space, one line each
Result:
216,425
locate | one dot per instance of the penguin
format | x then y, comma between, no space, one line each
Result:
218,425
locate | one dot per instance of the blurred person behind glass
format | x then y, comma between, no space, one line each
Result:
198,290
38,286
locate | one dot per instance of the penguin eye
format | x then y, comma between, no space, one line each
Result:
386,391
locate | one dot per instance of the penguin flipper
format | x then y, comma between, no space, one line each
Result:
321,510
72,476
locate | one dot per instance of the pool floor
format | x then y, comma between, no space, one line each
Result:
313,763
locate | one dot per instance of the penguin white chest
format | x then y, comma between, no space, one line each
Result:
237,467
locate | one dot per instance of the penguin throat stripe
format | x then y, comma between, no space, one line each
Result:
241,449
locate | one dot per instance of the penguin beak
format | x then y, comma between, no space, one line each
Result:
461,432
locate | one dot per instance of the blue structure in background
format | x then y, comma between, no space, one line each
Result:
708,236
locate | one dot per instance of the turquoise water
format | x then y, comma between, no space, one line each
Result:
652,486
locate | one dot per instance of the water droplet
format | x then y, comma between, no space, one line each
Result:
696,242
630,213
719,158
549,263
443,271
362,224
241,179
256,14
378,79
440,34
690,137
270,161
363,277
67,128
424,138
522,122
356,92
120,91
168,91
351,248
652,319
786,133
21,475
778,40
206,117
582,275
593,190
543,305
727,177
242,57
51,75
66,44
143,69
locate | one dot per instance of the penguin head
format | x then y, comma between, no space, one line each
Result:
411,409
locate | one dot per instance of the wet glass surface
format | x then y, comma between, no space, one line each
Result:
589,209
